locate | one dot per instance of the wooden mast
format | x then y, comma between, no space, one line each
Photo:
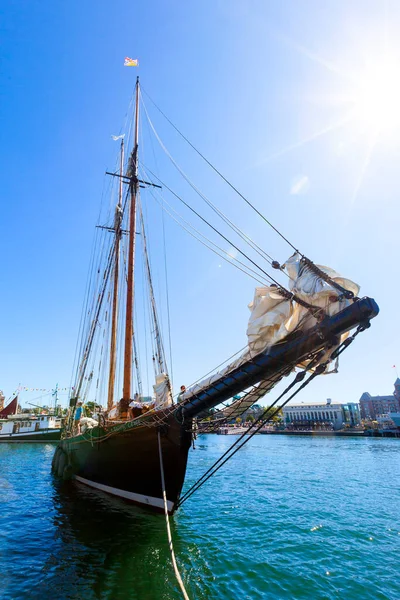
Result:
114,318
134,188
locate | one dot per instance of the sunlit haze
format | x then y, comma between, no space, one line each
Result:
377,97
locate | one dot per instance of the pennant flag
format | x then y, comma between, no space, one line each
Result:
118,137
394,366
131,62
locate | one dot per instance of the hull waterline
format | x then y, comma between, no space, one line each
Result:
36,437
127,464
124,460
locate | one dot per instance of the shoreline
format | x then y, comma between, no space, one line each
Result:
317,433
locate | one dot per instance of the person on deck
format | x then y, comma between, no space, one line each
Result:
134,409
183,390
77,417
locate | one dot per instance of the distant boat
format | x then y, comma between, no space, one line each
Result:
19,427
139,451
232,430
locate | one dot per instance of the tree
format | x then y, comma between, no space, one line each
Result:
270,411
90,408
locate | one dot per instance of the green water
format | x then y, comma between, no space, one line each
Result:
286,518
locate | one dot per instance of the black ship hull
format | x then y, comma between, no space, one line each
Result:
124,460
127,463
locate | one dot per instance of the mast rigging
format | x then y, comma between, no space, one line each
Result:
134,190
114,322
118,453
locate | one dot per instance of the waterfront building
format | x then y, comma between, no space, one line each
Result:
373,406
385,422
395,418
311,416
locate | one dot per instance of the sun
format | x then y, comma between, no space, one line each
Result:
376,97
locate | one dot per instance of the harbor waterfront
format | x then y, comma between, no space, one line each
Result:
288,517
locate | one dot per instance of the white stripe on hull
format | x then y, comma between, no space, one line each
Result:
16,441
140,498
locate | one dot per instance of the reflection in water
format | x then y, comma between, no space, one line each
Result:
103,546
286,518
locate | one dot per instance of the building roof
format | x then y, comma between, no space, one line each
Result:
311,406
390,398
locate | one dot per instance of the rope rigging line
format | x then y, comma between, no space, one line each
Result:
170,544
237,230
124,279
211,226
145,324
282,290
167,297
215,368
283,364
94,288
78,346
165,262
137,365
264,385
219,252
348,294
153,419
319,369
238,407
94,323
260,423
219,173
159,343
89,304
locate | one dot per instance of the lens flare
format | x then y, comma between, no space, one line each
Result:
377,97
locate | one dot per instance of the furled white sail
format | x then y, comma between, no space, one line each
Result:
273,318
162,390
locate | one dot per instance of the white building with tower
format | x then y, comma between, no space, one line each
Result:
317,416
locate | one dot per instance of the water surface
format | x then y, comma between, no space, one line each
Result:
285,518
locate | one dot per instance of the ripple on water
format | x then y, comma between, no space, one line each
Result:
286,518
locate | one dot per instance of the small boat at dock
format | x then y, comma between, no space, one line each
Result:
231,430
30,428
22,427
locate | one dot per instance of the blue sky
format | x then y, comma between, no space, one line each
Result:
277,95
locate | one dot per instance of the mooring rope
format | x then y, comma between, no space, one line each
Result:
256,426
170,544
266,415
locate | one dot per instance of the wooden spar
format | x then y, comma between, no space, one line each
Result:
114,318
134,188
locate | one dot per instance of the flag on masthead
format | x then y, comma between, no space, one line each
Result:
131,62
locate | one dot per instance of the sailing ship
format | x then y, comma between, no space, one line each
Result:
21,427
138,450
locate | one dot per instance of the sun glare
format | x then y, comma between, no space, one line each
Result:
377,98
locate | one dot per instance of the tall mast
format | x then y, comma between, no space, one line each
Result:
55,396
134,188
114,318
